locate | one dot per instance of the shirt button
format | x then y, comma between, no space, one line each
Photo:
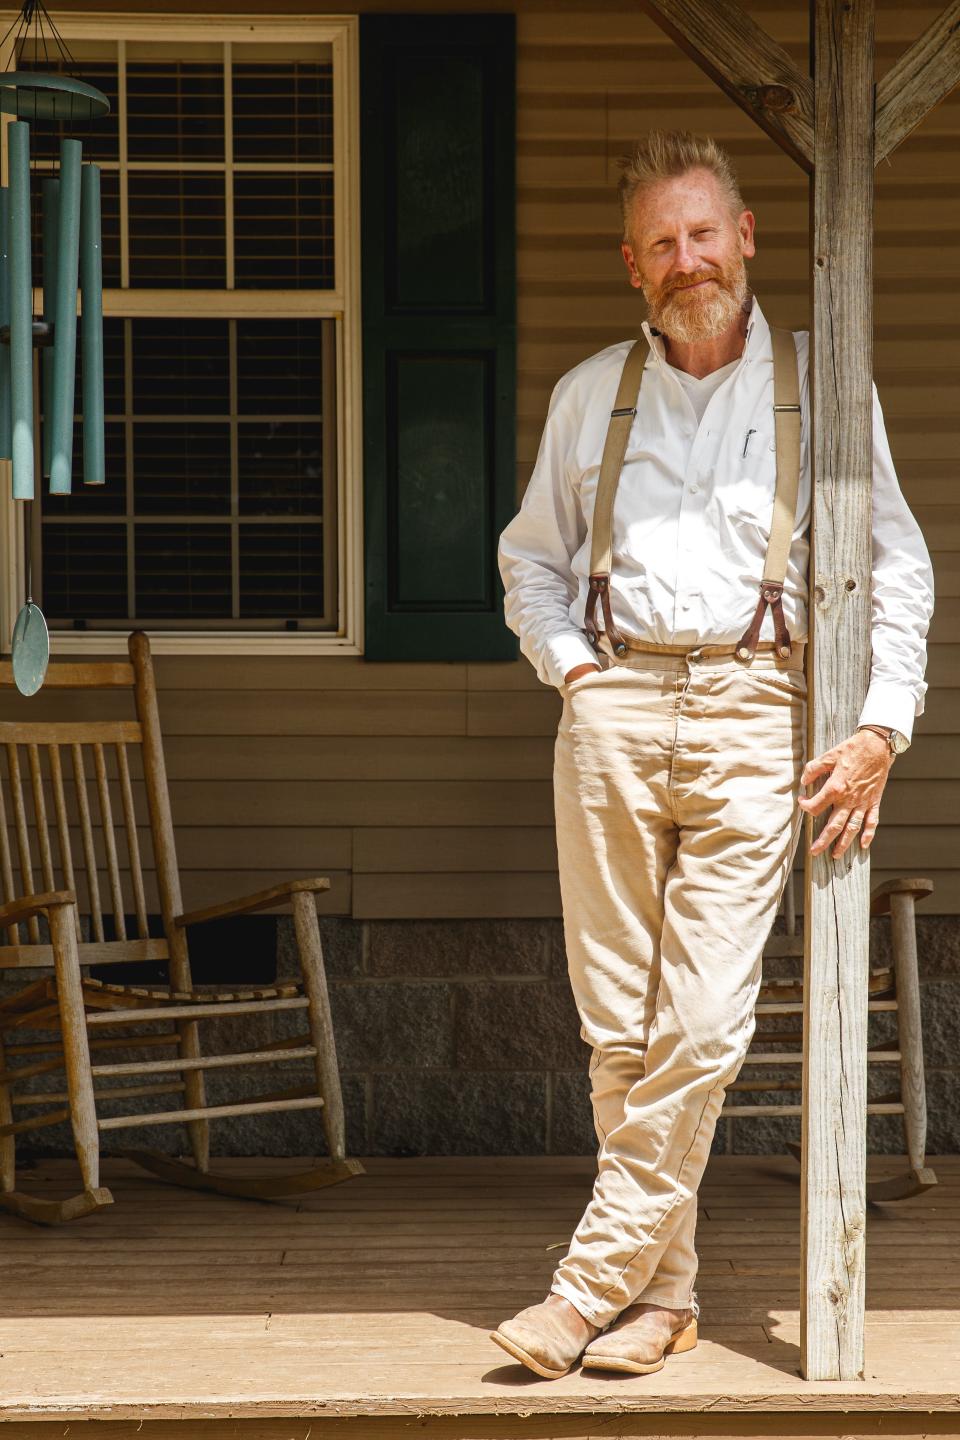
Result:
694,489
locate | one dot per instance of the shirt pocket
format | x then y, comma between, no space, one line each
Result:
748,494
756,452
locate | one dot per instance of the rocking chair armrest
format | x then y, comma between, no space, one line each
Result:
918,887
25,907
261,900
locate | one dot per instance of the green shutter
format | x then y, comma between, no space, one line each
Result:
439,331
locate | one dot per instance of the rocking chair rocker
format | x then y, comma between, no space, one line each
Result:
87,1015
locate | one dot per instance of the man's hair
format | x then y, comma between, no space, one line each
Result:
665,154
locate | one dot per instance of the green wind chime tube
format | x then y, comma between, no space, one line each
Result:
65,317
91,326
50,190
21,309
5,426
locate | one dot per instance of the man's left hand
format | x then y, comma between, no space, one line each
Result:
857,768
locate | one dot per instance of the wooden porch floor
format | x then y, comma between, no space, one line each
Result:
373,1299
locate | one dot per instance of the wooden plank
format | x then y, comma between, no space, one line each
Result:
68,675
15,956
456,896
749,66
923,76
833,1210
402,849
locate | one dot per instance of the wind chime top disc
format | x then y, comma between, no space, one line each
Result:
30,650
34,95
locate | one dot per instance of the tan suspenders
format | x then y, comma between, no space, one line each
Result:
786,413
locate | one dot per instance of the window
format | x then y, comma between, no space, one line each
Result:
230,192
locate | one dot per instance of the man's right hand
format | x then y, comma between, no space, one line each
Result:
577,671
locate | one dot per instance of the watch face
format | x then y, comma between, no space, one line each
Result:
898,742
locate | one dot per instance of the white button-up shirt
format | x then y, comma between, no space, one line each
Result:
691,523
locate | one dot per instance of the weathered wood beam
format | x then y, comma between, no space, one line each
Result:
922,77
833,1176
747,64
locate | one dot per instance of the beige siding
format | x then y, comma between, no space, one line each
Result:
425,789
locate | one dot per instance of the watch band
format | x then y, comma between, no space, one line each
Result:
887,732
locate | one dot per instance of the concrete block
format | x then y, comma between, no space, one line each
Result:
572,1131
943,1112
459,1112
940,1012
457,947
512,1026
342,942
391,1024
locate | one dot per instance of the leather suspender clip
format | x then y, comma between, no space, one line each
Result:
600,586
771,593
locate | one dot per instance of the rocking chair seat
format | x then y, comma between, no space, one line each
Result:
92,989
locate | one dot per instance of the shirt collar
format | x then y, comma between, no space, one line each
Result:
758,335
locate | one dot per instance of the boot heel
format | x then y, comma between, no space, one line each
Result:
685,1339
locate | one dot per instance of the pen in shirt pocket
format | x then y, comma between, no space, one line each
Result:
746,441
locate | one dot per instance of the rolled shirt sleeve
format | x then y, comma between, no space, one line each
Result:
902,598
536,550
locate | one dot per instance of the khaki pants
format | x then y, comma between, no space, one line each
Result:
675,784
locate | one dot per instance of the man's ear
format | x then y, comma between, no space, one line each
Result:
628,259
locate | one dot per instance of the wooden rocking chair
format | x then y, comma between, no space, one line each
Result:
87,1015
893,988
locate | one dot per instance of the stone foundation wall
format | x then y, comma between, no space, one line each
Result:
461,1037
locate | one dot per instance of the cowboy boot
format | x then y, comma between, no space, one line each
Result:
638,1341
548,1338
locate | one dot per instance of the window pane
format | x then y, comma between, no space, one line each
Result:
280,469
177,230
283,112
109,224
180,367
182,572
98,137
181,469
108,499
281,571
112,367
283,228
279,367
85,571
175,111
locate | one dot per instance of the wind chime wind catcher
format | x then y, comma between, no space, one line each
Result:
70,254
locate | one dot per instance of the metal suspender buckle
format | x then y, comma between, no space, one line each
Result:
626,410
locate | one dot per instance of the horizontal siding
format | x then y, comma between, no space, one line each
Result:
424,789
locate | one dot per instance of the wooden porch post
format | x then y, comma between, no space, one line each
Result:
833,129
833,1176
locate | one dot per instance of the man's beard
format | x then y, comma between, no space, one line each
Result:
704,314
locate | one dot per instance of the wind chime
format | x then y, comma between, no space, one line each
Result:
70,253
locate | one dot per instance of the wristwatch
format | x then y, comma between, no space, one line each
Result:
897,741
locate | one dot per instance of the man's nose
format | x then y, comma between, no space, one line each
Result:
686,258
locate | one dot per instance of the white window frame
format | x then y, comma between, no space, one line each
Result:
342,304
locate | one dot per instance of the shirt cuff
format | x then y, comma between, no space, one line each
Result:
562,652
894,706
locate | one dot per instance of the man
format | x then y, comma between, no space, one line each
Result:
677,765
